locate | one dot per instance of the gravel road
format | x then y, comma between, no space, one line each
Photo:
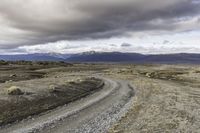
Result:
94,113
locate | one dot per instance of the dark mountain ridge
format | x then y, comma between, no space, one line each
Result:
183,58
31,57
136,58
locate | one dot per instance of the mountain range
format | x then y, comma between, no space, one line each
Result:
35,57
182,58
92,56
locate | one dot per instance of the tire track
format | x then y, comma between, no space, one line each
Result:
94,113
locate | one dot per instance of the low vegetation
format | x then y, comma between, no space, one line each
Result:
35,63
20,107
164,74
167,99
29,88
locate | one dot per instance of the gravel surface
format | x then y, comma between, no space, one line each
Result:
167,100
95,113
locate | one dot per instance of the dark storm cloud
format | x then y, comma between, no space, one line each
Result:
40,21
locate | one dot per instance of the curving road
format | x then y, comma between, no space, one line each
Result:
94,113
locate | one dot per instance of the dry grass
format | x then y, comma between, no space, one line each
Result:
167,96
44,85
21,107
165,105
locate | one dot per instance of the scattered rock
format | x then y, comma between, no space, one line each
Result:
79,80
14,90
53,88
13,75
148,75
70,81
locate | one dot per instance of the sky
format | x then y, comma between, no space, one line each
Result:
73,26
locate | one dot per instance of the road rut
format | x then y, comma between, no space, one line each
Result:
94,113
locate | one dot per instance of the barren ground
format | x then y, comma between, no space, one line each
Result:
167,97
43,87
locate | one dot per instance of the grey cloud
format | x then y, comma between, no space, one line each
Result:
125,45
166,42
41,21
113,45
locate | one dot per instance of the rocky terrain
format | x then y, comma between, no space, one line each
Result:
165,98
29,89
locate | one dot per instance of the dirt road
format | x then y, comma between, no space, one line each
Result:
95,113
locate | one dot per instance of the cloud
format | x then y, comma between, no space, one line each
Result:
178,43
166,42
113,45
125,45
39,21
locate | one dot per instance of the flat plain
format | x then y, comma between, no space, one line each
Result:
166,97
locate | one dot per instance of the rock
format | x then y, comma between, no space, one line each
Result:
8,81
13,75
148,75
53,88
73,81
79,80
14,90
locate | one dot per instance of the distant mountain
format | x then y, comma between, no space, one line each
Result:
135,58
32,57
106,57
58,55
182,58
93,56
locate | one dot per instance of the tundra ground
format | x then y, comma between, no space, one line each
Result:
166,97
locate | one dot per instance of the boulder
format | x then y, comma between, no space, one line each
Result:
14,90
